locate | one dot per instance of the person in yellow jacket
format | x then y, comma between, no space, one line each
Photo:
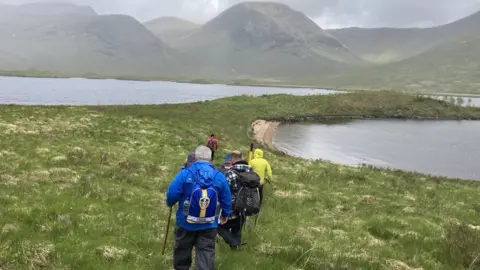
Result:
261,167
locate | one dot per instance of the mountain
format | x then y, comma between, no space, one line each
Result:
113,45
169,29
453,67
8,12
264,40
382,45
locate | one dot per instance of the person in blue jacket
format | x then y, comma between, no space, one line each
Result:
201,191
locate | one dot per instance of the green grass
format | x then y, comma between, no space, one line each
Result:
84,188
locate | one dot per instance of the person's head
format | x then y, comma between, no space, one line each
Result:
190,159
228,160
213,135
236,156
203,153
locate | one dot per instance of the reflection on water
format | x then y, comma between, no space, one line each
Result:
76,91
447,148
460,101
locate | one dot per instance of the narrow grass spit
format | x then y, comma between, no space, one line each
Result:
84,188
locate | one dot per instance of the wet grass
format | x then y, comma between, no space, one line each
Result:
84,188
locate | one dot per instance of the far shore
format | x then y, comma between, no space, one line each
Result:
246,82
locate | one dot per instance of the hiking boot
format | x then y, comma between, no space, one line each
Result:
238,247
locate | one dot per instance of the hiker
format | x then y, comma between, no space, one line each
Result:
231,231
261,167
226,164
201,192
190,160
212,143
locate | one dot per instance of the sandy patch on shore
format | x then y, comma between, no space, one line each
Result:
264,130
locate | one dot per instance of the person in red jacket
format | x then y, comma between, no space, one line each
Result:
212,143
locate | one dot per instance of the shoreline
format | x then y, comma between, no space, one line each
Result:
264,129
229,83
263,132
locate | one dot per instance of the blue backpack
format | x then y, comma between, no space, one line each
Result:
201,205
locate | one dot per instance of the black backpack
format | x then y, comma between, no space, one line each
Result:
211,144
248,196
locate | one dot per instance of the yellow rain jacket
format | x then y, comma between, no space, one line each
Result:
260,166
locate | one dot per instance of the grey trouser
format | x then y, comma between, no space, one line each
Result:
204,243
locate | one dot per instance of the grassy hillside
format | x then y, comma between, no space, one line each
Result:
170,29
383,45
108,44
264,40
450,68
84,188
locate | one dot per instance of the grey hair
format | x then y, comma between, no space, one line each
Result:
203,153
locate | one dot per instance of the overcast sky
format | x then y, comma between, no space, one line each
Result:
327,13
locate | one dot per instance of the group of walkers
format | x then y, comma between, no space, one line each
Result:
214,201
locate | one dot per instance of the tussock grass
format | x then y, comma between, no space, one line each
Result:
86,190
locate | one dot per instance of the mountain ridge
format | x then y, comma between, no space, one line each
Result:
100,44
387,44
447,68
241,39
170,29
256,41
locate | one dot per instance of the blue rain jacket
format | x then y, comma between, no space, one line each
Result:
182,184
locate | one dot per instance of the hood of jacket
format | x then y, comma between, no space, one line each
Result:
206,172
258,153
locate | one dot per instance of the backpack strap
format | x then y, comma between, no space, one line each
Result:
238,179
194,177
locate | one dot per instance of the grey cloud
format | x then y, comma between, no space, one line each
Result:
383,13
328,13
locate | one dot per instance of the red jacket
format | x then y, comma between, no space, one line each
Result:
215,143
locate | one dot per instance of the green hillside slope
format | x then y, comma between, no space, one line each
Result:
382,45
94,198
450,68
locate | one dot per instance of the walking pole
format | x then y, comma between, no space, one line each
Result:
250,154
166,234
274,187
256,219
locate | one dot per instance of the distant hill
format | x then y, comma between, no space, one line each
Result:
261,39
8,12
453,67
382,45
169,29
116,45
249,42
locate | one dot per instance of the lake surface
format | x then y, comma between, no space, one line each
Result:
77,91
445,148
464,101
